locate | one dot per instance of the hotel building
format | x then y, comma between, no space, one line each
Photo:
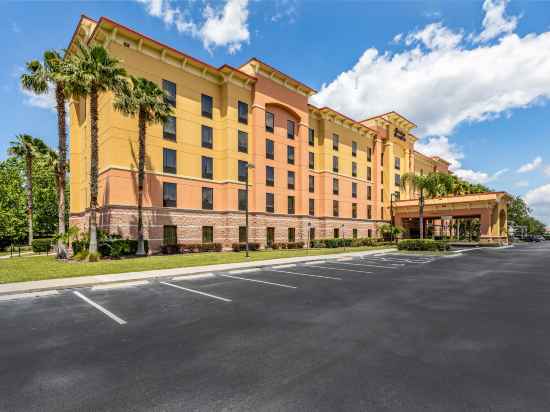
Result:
316,173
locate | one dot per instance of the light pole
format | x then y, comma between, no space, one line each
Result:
308,236
392,217
249,166
343,236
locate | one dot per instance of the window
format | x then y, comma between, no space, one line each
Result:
354,189
269,122
169,128
242,167
270,202
335,209
354,233
269,149
169,195
169,92
397,195
242,234
242,142
335,186
354,210
369,212
290,204
290,126
369,232
170,236
290,154
311,160
382,159
292,234
397,180
243,112
207,198
207,167
169,161
382,176
269,176
312,207
336,233
311,181
311,137
382,195
311,233
369,173
207,139
206,106
291,179
354,169
382,213
354,149
207,234
397,163
335,141
335,164
270,236
369,193
242,200
369,154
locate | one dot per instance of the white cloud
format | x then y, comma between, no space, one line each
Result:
529,167
539,200
440,82
220,27
496,22
286,10
42,101
546,170
521,183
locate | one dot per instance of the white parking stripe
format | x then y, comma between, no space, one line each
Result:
385,262
369,265
194,277
100,308
307,274
345,270
236,271
315,262
120,285
259,281
198,292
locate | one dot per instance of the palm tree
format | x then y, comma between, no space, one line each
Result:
94,72
28,148
144,98
40,78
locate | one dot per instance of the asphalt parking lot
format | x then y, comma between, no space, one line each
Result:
382,333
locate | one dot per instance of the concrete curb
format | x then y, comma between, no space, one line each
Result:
84,281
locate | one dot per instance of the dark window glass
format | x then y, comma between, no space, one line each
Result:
207,138
242,170
169,128
354,210
269,176
270,236
336,233
291,234
369,154
311,160
291,179
335,186
242,234
206,106
243,112
242,142
354,149
397,180
354,169
382,195
269,149
335,164
169,195
311,137
382,213
369,212
311,184
382,176
311,233
369,193
335,209
242,199
290,154
207,198
270,202
335,141
382,159
397,195
353,189
369,232
207,234
290,126
170,236
312,207
369,173
354,233
290,203
269,122
169,161
207,167
397,163
169,92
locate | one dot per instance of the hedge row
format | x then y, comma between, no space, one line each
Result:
423,244
41,245
239,247
334,243
191,248
113,248
288,245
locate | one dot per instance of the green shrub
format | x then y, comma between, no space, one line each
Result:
41,245
239,247
423,244
93,257
81,255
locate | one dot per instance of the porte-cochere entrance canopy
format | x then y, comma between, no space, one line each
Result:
491,208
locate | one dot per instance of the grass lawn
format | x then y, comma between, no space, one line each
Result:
47,267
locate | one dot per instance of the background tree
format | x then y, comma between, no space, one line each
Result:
145,99
13,220
94,72
28,148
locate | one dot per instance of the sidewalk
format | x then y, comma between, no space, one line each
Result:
82,281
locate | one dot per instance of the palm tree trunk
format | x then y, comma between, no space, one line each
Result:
93,169
421,213
141,178
28,161
62,146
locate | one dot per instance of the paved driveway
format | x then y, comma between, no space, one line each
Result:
380,333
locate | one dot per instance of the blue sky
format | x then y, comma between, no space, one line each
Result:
474,75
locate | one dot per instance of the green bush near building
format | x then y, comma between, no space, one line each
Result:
41,245
423,244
